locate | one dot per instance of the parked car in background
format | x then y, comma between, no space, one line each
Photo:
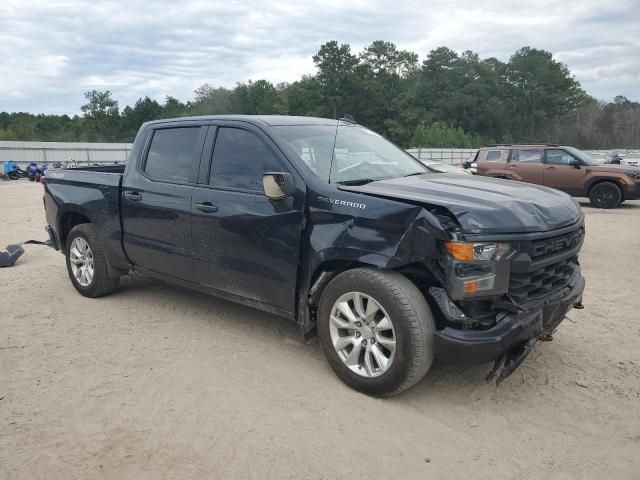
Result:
470,166
439,167
630,161
564,168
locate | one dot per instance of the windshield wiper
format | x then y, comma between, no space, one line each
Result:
416,173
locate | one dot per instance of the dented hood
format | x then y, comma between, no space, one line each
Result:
482,204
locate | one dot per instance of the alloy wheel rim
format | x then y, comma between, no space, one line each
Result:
362,334
81,260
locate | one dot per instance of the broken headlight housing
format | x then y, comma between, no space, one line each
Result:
476,269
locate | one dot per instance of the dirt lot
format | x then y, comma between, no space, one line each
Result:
155,382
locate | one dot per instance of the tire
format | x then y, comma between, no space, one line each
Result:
605,195
412,329
100,283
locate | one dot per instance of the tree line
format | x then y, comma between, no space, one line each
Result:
447,100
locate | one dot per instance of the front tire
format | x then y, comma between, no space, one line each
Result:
376,331
605,195
87,264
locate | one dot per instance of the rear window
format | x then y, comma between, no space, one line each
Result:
493,156
172,153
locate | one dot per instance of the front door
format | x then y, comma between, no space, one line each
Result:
560,174
156,203
244,243
525,165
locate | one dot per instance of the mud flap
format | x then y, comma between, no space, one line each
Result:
507,364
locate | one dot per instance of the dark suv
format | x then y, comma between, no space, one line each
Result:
565,168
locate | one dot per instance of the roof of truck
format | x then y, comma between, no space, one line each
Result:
271,120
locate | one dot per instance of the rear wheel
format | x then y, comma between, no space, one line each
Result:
605,195
86,262
376,330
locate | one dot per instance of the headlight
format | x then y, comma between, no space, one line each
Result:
477,251
635,175
475,269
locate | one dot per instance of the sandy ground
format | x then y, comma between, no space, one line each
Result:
156,382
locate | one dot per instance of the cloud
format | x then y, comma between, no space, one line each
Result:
54,50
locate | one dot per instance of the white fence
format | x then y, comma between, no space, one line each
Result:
24,153
93,153
454,156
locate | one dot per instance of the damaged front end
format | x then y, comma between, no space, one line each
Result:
498,298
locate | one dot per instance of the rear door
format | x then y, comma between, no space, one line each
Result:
244,243
560,174
156,200
525,165
491,162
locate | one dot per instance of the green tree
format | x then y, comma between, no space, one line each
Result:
336,65
102,115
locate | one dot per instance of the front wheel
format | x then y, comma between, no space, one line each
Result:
376,330
605,195
86,262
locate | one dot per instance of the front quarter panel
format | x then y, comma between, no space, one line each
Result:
377,231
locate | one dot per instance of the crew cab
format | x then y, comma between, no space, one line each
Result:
328,224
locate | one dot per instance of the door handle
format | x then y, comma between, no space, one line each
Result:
206,207
133,196
551,168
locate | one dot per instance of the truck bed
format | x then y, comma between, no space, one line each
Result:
93,193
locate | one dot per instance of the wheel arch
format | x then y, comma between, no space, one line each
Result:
68,219
327,270
599,180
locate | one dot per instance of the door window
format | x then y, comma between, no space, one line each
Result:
240,158
527,156
558,157
172,153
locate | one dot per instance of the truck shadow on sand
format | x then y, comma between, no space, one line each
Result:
453,381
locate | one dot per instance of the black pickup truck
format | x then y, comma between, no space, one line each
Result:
326,223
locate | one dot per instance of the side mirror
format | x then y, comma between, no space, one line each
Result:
575,163
278,185
466,165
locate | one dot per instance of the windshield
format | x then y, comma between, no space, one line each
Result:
348,153
585,157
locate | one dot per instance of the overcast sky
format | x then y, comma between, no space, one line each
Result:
51,51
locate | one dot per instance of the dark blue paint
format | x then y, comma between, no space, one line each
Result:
267,253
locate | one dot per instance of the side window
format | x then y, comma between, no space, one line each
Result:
527,156
493,156
558,157
240,158
172,153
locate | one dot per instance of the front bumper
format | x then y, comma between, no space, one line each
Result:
632,192
480,346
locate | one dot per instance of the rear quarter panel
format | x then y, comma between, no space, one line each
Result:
94,195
